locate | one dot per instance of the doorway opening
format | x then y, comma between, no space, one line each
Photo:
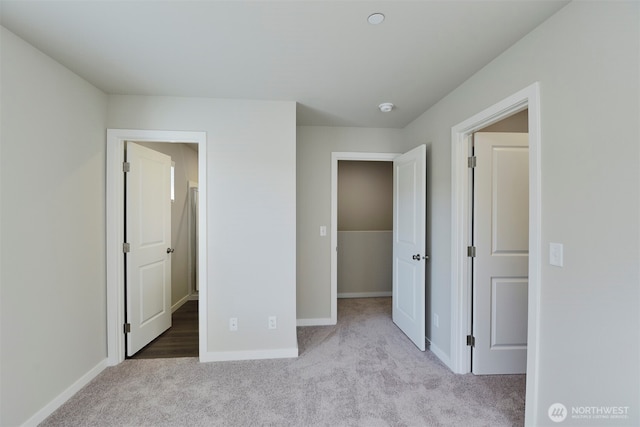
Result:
337,157
116,140
408,237
181,338
365,228
499,185
461,301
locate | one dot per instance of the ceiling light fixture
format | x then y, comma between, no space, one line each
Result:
375,18
385,107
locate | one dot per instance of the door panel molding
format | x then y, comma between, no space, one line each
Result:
509,335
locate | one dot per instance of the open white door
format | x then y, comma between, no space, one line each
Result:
148,233
409,258
501,264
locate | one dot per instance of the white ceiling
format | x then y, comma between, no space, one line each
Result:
322,54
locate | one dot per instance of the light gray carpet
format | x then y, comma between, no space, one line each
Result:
362,372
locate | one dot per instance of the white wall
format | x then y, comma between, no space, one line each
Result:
315,145
251,224
52,229
586,58
186,169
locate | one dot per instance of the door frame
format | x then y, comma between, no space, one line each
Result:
528,97
116,139
193,292
335,157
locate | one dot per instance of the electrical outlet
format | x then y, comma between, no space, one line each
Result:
233,323
273,323
436,320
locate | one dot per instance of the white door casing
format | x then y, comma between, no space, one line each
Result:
501,238
148,233
116,138
409,258
460,296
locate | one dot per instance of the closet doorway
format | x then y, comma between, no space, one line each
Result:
365,228
351,235
409,238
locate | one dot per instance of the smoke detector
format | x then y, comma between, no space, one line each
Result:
385,107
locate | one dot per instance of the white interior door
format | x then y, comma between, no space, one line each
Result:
501,238
148,232
409,258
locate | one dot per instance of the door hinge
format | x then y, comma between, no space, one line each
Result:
127,328
471,161
126,247
471,251
126,167
471,340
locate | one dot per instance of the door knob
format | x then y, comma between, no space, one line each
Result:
416,257
170,250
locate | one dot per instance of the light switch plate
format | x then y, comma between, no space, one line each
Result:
323,230
556,256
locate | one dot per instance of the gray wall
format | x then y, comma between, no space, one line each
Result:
586,58
315,145
186,169
251,216
365,196
52,229
364,263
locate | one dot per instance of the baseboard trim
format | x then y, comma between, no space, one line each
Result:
223,356
439,353
59,400
194,297
325,321
364,294
179,304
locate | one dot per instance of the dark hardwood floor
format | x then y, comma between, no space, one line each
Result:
180,340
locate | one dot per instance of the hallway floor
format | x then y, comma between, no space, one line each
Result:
180,340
